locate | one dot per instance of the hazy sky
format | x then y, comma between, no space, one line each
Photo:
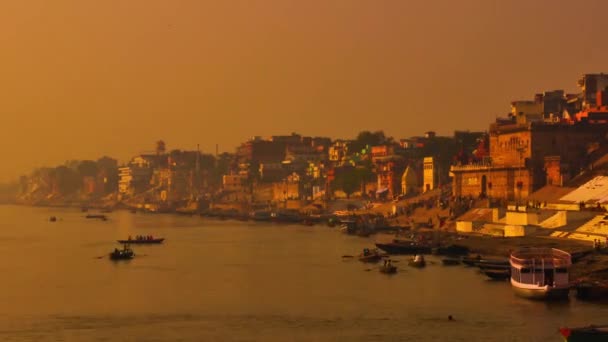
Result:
84,78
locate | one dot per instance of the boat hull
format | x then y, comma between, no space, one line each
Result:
497,274
121,256
388,269
590,291
450,262
540,293
417,264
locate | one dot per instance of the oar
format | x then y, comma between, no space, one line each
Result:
99,257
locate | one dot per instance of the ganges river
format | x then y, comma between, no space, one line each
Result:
218,280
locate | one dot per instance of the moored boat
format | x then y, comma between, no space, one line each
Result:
540,273
450,262
125,253
588,290
493,263
591,333
495,274
471,261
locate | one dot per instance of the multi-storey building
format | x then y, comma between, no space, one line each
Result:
521,151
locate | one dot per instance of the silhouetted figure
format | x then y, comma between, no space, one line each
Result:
450,318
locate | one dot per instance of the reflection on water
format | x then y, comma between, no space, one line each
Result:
223,280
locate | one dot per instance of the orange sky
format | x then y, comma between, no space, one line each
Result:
80,79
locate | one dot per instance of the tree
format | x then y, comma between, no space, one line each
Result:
367,138
351,179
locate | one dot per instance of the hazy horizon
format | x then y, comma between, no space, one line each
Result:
87,79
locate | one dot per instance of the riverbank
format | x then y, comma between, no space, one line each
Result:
587,263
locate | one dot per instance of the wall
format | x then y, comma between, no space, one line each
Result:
510,148
500,183
521,218
464,226
515,230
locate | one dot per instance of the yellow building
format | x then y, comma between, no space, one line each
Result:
429,174
409,182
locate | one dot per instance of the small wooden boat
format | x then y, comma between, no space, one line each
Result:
591,333
125,253
450,262
388,268
498,274
143,241
97,216
370,255
418,261
52,219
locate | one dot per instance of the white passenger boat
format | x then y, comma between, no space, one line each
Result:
540,273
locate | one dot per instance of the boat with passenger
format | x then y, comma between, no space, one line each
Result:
126,253
370,255
540,273
417,261
142,239
388,267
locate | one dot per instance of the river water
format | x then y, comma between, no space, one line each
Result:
236,281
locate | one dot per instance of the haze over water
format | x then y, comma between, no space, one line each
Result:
235,281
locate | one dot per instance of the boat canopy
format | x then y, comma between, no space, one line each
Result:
547,257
